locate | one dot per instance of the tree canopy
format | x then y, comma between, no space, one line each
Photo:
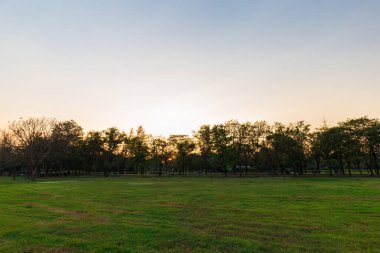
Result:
37,147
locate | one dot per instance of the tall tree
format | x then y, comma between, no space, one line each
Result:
32,140
184,146
93,148
365,133
112,141
138,149
204,142
8,157
221,146
66,140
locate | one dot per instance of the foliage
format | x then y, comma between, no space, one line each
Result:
44,147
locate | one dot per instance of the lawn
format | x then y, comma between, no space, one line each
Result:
191,214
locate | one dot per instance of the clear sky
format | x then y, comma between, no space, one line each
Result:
174,65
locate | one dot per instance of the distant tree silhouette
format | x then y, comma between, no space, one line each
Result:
46,147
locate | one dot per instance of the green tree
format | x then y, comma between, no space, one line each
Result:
31,139
113,139
221,146
138,149
161,153
184,146
66,140
93,150
365,133
203,139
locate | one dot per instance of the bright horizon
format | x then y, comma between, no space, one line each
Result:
172,66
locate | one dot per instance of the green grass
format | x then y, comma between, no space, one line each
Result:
190,215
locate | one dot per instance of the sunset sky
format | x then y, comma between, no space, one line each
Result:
174,65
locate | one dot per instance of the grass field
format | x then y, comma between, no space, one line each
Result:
190,215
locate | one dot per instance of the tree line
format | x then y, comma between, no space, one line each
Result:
42,147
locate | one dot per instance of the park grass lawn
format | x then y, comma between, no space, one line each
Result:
190,214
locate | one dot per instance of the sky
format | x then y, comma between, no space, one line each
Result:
172,66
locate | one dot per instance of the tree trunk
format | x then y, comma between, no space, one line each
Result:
369,167
318,170
33,173
375,162
349,167
330,168
357,165
341,165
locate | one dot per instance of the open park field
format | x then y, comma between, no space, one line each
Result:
190,214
